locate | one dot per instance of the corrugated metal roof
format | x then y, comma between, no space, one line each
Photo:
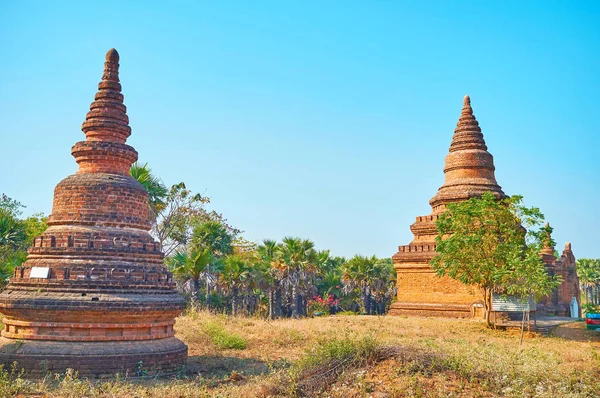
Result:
506,303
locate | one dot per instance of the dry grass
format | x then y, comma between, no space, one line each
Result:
406,357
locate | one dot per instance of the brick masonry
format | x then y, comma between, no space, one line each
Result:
469,171
107,304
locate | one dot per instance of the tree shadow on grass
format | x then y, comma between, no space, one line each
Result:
221,366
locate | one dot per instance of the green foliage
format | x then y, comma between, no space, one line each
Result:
223,339
157,192
588,270
590,308
16,235
373,279
494,245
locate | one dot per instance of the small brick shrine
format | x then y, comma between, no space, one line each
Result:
559,302
93,294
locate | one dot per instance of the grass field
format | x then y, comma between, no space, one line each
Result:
353,356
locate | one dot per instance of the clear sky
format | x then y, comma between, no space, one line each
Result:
328,120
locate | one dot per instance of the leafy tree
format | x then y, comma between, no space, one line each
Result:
528,279
175,220
482,241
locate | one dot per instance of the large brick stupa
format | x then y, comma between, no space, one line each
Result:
93,294
469,172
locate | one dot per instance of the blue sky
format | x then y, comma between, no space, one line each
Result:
328,120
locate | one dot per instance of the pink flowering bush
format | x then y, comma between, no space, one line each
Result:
319,306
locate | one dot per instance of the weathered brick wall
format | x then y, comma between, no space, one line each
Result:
105,301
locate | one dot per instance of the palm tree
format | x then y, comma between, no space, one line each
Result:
157,192
12,231
212,236
13,241
296,263
267,261
358,274
588,270
192,267
234,278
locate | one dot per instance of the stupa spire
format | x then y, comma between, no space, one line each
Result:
469,168
107,119
548,248
94,294
106,127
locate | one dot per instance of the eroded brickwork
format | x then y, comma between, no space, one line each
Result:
103,301
559,302
469,171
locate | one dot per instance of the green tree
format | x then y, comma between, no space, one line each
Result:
157,192
191,267
296,262
267,254
527,279
481,240
175,221
372,278
588,270
16,235
235,277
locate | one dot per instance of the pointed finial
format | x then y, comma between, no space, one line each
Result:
466,100
112,55
111,67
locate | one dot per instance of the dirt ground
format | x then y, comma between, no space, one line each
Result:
577,331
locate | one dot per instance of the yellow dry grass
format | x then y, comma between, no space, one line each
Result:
474,361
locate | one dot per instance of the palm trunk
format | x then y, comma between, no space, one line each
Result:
365,300
278,303
196,294
271,314
207,288
234,304
294,301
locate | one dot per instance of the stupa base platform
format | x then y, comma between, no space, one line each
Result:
161,357
431,310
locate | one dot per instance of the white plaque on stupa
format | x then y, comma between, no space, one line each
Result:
39,272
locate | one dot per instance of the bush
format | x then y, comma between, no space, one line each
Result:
223,339
319,306
590,308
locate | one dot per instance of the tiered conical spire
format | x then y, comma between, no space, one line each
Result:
106,127
107,119
469,168
548,248
93,294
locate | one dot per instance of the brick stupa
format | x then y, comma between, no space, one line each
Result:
469,172
93,294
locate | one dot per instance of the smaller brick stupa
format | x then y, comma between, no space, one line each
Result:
93,294
469,172
560,301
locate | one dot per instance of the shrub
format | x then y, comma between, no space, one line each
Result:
590,308
222,338
320,306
